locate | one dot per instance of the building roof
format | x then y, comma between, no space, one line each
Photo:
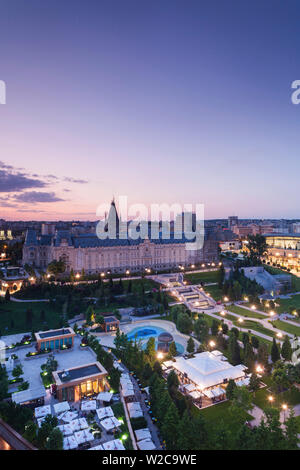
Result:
207,370
54,333
29,395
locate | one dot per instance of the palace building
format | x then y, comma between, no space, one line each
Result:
117,254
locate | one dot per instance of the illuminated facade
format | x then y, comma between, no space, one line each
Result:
80,382
284,250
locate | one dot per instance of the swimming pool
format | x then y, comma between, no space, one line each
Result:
143,333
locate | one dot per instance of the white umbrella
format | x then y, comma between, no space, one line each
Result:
66,429
146,444
89,405
104,396
70,442
42,411
61,407
106,412
69,416
142,434
134,410
115,444
75,425
110,423
83,423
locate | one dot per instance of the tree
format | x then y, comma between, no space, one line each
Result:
249,357
280,378
170,427
241,403
17,371
291,432
150,350
56,267
286,350
254,383
234,349
7,295
263,354
184,323
230,389
201,329
190,345
172,350
275,354
221,276
55,440
173,382
257,246
30,432
255,342
214,327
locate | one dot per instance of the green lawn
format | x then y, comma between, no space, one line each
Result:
214,291
13,317
253,325
290,397
286,304
294,330
205,276
218,413
244,312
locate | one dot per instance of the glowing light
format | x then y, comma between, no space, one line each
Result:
226,299
223,313
159,355
212,344
270,398
259,369
272,313
253,307
279,335
240,320
246,299
102,274
77,276
127,271
284,406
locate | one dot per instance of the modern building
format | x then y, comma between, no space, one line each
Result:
273,284
115,254
284,250
55,339
80,382
111,323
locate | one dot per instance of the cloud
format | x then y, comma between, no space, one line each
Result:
15,182
74,180
34,197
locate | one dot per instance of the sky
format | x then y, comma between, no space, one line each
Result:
163,101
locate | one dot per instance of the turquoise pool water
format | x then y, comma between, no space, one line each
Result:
143,333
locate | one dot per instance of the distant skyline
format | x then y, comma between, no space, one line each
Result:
163,101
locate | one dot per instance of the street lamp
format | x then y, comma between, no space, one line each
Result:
271,398
212,344
223,313
259,369
272,313
246,299
253,307
77,276
226,299
279,335
284,408
159,355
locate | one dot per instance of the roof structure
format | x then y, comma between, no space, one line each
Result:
207,370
